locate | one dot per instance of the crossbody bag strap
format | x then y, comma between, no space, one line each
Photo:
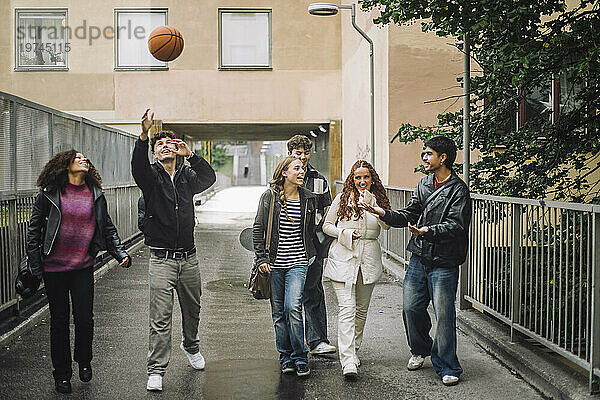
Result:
270,222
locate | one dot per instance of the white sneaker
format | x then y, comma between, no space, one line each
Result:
415,363
323,348
196,360
154,383
350,371
450,380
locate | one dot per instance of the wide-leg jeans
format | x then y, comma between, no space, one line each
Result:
423,284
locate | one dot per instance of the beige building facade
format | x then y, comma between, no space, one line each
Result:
316,74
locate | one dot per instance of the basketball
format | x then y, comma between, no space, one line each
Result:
165,43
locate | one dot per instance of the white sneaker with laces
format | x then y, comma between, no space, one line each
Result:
154,383
323,348
450,380
415,362
196,360
350,371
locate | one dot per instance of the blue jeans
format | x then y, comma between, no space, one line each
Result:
421,285
314,305
287,285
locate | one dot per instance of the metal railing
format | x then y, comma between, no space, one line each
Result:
532,264
29,135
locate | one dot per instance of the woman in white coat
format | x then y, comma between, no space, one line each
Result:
354,262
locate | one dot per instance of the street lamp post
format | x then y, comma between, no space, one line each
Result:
326,9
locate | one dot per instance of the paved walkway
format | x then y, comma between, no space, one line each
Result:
237,338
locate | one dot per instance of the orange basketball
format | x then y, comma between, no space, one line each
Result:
165,43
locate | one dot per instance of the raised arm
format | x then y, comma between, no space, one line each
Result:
140,165
201,175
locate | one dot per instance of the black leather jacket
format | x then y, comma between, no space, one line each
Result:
169,217
45,221
447,216
259,229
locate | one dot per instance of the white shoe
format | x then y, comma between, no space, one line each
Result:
415,363
196,360
154,383
450,380
357,361
350,371
323,348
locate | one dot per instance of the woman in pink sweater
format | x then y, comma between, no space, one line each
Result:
69,225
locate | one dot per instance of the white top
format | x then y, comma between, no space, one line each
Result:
347,256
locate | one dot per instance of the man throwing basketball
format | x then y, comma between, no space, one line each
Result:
168,188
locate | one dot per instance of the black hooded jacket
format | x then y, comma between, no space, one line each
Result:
45,222
447,216
169,219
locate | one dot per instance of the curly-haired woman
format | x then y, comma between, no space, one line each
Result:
291,251
354,262
69,225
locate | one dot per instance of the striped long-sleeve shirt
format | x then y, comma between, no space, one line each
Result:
290,250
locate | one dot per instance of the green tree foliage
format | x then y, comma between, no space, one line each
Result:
519,46
219,157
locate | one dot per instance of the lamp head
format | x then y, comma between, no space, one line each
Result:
323,9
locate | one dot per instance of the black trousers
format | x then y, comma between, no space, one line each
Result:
80,285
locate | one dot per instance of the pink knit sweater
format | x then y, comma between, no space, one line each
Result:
77,225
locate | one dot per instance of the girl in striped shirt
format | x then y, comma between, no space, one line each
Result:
291,250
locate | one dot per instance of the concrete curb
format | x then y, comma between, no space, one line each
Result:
43,312
546,373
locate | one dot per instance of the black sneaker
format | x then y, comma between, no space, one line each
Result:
85,373
302,369
288,368
62,385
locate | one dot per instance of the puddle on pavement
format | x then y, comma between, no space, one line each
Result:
250,379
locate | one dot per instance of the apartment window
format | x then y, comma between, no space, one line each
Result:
41,39
539,102
133,26
244,39
554,97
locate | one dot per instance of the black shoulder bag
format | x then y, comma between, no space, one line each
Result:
260,283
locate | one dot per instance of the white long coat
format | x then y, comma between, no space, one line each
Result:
347,256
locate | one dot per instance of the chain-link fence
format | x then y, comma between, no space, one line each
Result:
29,135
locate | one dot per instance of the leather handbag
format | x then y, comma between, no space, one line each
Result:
26,284
260,283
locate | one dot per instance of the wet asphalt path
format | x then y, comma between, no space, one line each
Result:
237,339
